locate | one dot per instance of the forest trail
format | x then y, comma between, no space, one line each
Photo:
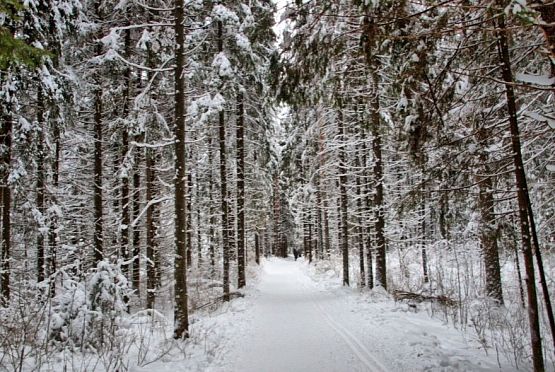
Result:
295,324
295,331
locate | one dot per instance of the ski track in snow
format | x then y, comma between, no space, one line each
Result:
355,344
292,324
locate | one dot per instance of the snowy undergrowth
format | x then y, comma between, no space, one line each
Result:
458,275
210,329
86,327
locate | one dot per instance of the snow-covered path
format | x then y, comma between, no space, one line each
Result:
294,324
292,331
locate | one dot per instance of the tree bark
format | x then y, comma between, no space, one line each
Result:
225,206
6,141
181,311
368,205
488,232
124,249
518,271
198,227
223,188
241,262
98,197
55,48
423,228
257,248
539,261
231,223
309,238
189,219
381,268
323,201
360,227
211,228
533,315
277,217
150,231
41,259
136,210
305,234
343,199
52,231
327,241
443,210
319,219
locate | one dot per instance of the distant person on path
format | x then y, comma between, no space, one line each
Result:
295,253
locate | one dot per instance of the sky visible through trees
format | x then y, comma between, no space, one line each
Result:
154,154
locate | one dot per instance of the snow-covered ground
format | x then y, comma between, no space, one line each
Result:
288,321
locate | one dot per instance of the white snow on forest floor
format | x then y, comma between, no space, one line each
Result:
295,317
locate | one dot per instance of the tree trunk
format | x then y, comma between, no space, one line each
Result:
309,238
189,219
181,311
223,188
136,210
55,49
319,219
241,279
539,261
52,231
548,14
41,267
198,227
224,203
277,217
369,262
231,225
488,232
533,315
211,228
368,205
305,235
381,273
256,248
443,210
518,270
323,203
423,225
124,249
327,241
368,45
6,141
343,199
150,231
98,198
360,227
